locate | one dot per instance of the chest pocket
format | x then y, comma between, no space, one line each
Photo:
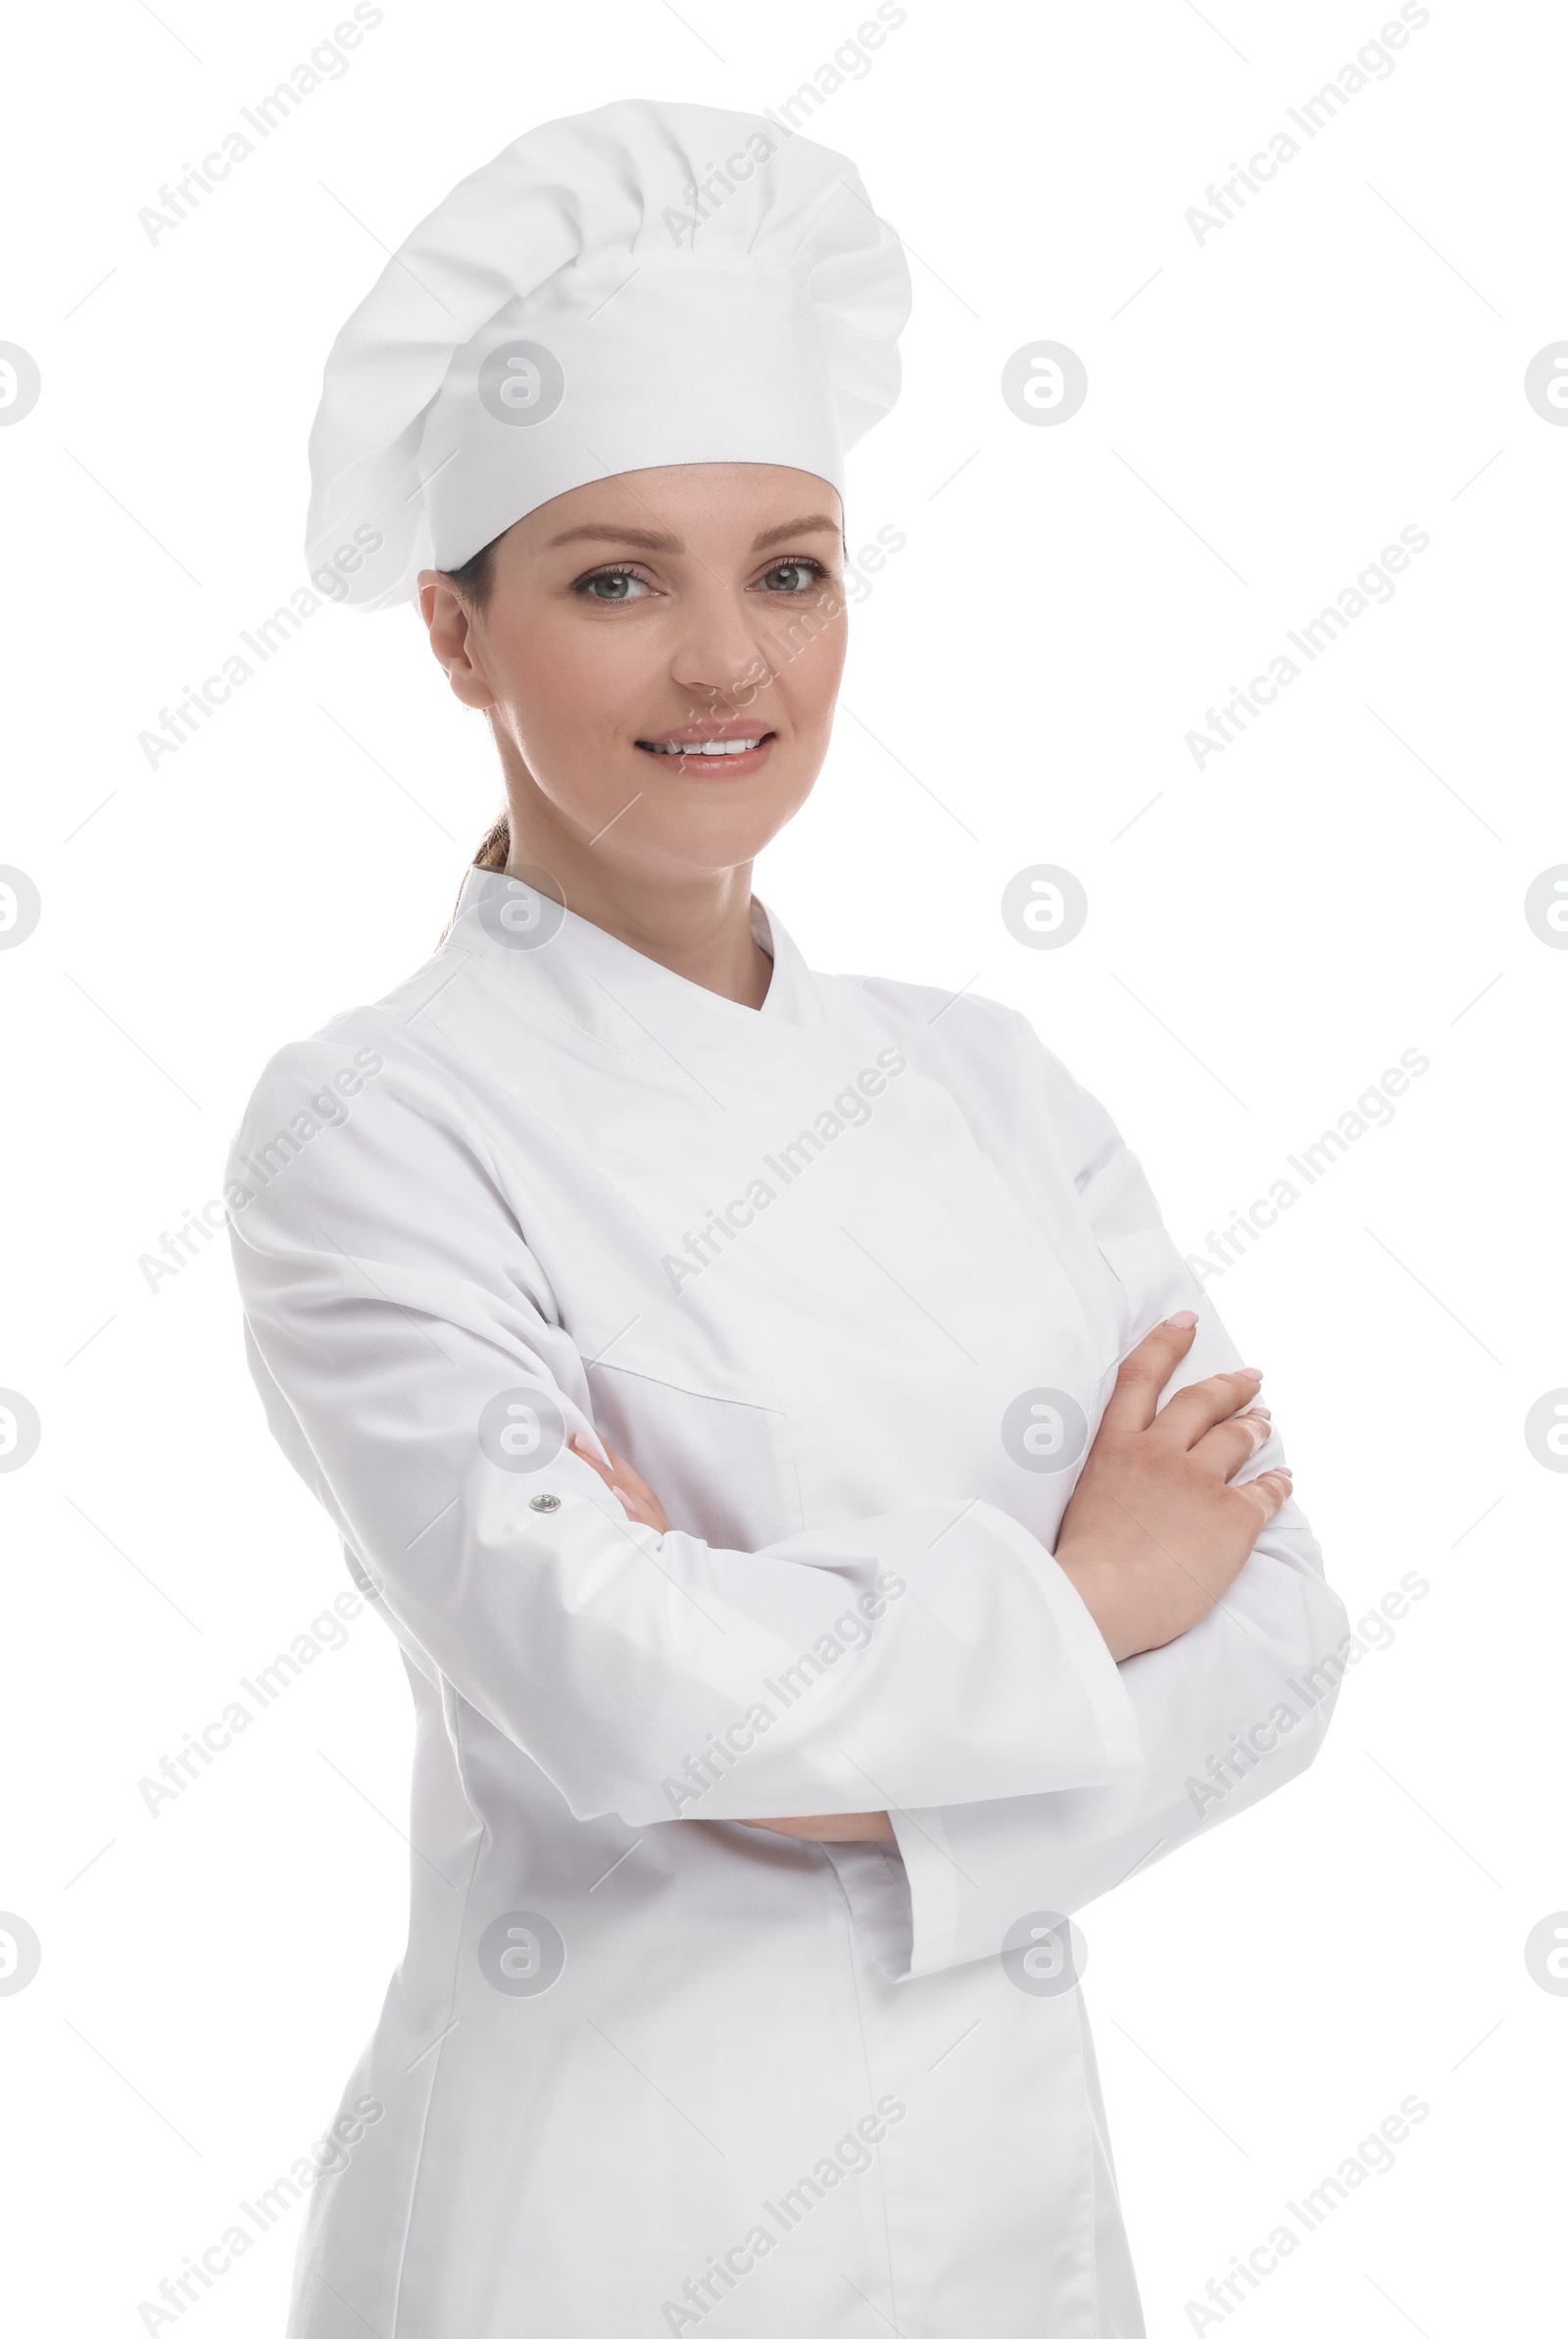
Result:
718,1455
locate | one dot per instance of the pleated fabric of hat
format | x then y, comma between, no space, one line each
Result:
640,286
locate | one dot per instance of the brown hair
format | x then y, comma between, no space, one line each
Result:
474,578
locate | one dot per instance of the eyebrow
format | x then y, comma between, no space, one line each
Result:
647,540
795,528
601,533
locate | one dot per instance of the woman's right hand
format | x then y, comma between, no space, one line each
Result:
1156,1533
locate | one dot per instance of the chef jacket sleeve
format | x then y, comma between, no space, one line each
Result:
394,1312
1231,1709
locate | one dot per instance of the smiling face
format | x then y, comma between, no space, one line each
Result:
659,654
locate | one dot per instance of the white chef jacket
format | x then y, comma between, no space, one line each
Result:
810,1267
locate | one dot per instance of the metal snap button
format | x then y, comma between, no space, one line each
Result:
544,1502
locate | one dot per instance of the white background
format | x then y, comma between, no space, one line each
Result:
1266,410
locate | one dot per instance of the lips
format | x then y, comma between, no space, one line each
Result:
712,749
704,747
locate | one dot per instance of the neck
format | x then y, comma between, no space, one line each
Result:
697,923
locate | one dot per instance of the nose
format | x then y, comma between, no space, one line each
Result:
721,654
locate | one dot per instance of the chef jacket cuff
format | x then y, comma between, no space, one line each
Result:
952,1891
961,1898
1083,1644
960,1879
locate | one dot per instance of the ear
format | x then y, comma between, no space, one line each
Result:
450,623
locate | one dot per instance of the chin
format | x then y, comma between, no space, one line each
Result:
704,847
709,833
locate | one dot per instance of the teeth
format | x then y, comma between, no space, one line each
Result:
704,746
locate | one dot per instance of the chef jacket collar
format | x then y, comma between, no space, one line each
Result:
601,981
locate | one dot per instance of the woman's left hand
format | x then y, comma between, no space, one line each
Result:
844,1828
639,1502
634,1494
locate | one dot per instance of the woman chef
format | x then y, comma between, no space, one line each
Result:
740,1389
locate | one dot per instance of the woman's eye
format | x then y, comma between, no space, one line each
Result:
613,586
794,576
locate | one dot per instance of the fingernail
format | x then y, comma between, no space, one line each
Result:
1184,1321
1247,1372
1258,1412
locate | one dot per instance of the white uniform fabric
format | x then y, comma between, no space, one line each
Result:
643,284
794,2091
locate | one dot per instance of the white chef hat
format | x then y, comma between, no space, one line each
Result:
643,284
